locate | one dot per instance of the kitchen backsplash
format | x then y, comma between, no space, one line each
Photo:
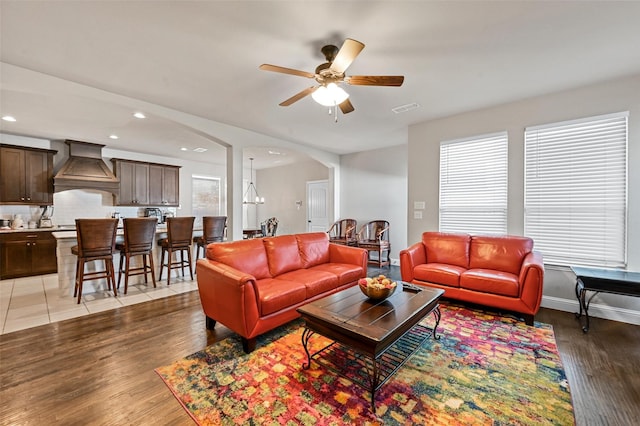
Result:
76,204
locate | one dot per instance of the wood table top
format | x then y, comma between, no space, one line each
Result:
371,326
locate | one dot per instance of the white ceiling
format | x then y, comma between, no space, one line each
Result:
202,58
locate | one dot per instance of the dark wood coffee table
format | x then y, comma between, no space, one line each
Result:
373,338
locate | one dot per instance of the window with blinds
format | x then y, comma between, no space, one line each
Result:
576,190
205,197
473,185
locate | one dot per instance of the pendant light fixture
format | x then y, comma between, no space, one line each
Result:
251,194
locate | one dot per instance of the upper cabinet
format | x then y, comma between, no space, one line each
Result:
164,184
146,184
134,183
26,175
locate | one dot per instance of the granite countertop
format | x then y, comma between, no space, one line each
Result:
7,230
61,228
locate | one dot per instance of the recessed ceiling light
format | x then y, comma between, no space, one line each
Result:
113,136
275,152
184,149
139,115
200,150
9,118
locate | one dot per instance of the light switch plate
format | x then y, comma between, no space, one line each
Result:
417,214
418,205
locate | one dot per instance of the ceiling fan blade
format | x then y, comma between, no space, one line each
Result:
346,55
298,96
283,70
346,106
375,80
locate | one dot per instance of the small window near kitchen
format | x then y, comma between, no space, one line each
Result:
206,197
576,190
473,185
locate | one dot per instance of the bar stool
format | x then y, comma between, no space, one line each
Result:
139,234
213,229
179,235
96,241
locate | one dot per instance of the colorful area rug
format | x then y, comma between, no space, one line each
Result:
485,370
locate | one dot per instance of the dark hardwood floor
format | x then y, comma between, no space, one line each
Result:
98,369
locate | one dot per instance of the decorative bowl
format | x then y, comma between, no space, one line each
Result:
373,289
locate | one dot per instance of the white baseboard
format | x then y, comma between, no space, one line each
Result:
595,310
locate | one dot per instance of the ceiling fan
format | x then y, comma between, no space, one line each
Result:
331,73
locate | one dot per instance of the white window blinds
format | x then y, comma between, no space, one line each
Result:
576,190
473,185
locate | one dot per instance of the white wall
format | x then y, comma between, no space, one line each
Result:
374,186
604,98
282,187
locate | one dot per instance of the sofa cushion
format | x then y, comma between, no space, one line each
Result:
315,281
450,249
282,254
346,273
439,273
314,248
248,256
490,281
504,253
276,294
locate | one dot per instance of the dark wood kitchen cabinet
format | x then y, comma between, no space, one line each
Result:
164,183
134,183
24,254
26,175
146,184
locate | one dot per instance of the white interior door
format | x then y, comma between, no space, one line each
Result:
317,206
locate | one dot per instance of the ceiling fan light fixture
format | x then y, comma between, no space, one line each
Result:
330,95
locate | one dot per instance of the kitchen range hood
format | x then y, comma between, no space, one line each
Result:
85,169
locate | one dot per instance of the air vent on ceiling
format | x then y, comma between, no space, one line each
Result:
404,108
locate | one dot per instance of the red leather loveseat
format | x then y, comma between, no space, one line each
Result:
501,272
253,286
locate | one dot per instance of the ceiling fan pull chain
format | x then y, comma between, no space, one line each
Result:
335,112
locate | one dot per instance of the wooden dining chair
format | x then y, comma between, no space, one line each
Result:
179,237
269,227
139,235
96,241
213,230
374,237
344,232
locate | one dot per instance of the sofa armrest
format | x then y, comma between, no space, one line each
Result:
228,296
348,254
531,280
411,257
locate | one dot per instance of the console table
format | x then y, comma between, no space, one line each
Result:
603,281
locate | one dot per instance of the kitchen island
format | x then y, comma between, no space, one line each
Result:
66,238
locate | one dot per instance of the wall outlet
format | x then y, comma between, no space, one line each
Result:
417,214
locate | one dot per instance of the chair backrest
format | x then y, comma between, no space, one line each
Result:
96,237
344,229
139,233
213,228
180,230
376,230
269,227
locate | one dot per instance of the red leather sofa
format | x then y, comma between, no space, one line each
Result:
501,272
253,286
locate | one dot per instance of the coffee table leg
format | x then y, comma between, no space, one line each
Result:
306,335
374,385
437,315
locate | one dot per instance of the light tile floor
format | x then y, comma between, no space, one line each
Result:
33,301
